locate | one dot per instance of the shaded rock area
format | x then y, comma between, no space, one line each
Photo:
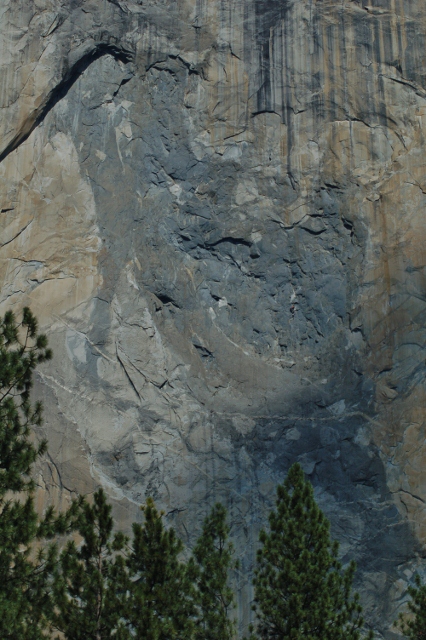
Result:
216,210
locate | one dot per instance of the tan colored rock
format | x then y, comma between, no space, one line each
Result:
216,210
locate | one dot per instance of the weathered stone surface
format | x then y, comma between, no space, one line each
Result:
217,212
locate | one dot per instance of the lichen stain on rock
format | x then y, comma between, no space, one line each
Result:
216,211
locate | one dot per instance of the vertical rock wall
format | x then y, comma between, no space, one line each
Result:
216,210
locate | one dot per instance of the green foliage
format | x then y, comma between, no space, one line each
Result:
301,591
24,572
161,605
103,589
91,583
414,626
21,349
211,562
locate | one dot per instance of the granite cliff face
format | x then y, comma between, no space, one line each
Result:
216,210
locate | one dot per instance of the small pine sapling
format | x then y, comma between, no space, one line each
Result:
91,584
161,605
212,561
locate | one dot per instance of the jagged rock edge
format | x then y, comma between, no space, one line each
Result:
61,89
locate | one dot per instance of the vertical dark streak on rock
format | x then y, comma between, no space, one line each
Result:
401,55
341,37
264,94
362,36
287,106
273,38
317,76
269,15
331,72
224,9
272,25
389,55
415,54
280,65
381,105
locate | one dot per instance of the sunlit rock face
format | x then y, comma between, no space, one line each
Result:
217,212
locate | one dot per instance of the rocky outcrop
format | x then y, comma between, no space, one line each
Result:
217,212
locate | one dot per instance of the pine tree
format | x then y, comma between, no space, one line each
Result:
91,582
212,561
24,572
301,591
34,590
162,593
414,626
